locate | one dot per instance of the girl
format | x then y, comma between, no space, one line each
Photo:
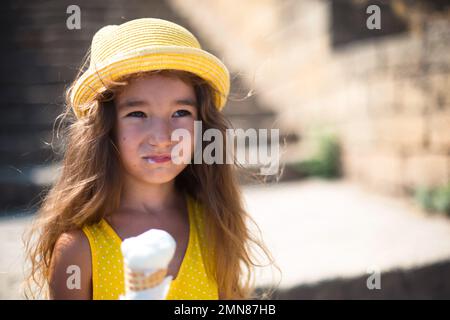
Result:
146,78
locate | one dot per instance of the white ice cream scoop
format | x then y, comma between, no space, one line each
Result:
146,259
151,250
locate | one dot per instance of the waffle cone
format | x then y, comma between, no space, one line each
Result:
138,281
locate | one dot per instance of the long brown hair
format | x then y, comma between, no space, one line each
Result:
85,190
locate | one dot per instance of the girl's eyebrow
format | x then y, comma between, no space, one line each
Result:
184,102
128,103
131,103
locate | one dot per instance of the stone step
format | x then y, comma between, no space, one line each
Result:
19,117
52,93
21,187
41,57
50,57
18,197
34,157
36,74
16,147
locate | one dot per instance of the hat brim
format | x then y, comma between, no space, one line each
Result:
205,65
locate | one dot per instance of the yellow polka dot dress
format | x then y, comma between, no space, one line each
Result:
191,283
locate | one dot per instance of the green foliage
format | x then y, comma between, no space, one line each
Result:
326,162
434,199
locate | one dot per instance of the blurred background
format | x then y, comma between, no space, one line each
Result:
363,195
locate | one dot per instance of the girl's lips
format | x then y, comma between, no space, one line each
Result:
158,159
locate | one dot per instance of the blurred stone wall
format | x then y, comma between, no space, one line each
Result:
387,98
39,60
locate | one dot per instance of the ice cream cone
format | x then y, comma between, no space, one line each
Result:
146,260
138,281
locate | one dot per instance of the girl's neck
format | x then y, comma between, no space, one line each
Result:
149,198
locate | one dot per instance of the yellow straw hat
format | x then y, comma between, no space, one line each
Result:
144,45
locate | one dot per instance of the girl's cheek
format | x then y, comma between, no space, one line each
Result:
187,124
130,130
189,145
126,136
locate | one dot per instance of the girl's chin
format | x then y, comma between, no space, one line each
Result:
156,173
160,174
159,179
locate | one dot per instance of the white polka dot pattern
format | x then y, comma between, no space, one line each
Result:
191,283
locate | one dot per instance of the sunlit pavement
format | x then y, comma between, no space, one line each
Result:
11,256
320,230
316,230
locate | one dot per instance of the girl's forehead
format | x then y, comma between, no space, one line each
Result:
155,89
155,85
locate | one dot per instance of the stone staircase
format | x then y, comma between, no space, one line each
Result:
40,58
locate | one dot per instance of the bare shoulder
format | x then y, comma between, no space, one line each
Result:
70,269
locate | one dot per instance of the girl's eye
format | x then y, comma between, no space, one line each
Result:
138,114
181,113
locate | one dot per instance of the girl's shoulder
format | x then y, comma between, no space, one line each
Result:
73,241
70,267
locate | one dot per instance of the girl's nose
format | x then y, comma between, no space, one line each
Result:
159,133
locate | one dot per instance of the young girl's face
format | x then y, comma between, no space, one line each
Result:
149,109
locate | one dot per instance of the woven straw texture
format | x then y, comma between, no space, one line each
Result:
144,45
